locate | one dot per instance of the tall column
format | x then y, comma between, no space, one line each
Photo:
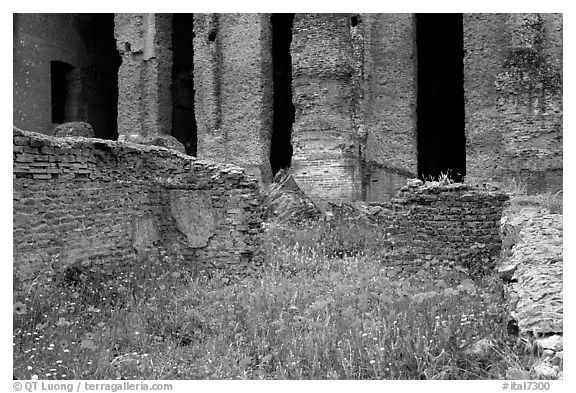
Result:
513,87
233,82
388,106
325,159
144,96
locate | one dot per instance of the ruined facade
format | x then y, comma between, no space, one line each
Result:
84,202
352,104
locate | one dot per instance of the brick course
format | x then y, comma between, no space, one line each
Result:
457,223
82,201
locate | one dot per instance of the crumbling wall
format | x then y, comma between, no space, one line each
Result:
513,84
233,81
326,152
144,79
443,224
81,201
388,104
84,42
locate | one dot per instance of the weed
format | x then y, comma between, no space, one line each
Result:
324,307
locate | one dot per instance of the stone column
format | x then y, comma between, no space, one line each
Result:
388,106
325,159
233,83
513,87
144,78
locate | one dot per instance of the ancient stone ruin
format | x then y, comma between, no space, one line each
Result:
351,104
143,135
79,201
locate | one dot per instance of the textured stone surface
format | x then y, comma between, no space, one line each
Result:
167,141
84,201
444,224
74,129
513,87
233,83
194,215
388,103
144,78
285,202
326,158
553,342
539,278
354,85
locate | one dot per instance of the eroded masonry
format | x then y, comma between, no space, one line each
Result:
84,201
351,104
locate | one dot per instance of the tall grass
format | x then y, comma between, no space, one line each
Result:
316,311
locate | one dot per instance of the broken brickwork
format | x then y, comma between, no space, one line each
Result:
443,224
81,201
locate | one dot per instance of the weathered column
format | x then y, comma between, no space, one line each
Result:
513,87
326,150
233,83
144,96
388,106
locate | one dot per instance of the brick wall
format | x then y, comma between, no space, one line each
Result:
233,90
84,201
325,162
444,223
513,90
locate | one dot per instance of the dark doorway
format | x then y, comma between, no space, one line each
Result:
183,117
98,100
283,108
440,102
65,89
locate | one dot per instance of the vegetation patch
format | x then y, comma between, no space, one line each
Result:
313,313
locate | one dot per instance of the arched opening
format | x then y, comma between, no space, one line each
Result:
283,108
440,101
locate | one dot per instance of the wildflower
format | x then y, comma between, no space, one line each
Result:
62,322
34,377
41,326
63,343
372,361
87,344
29,367
19,308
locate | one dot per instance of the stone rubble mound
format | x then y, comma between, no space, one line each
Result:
537,278
534,272
76,128
285,202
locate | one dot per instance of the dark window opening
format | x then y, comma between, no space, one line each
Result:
212,36
283,108
183,116
63,91
354,21
440,102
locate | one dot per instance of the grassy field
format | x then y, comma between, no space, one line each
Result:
314,312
